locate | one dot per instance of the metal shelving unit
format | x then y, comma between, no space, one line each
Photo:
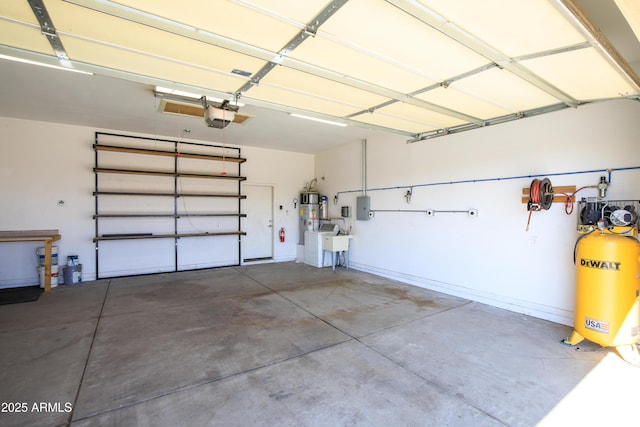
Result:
135,147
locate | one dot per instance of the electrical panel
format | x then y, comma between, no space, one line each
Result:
363,208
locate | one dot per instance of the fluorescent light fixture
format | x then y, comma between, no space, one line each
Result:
315,119
195,96
42,64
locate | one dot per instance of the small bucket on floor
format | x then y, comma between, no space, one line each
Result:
54,276
72,274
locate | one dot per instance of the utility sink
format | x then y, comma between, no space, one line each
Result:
336,243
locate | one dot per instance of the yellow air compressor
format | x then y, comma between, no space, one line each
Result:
607,288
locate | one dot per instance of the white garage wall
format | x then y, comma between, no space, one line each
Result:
43,163
490,258
288,173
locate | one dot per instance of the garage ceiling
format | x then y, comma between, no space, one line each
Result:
416,68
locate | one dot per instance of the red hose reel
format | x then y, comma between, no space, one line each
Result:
540,196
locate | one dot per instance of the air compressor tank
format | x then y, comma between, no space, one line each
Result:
607,286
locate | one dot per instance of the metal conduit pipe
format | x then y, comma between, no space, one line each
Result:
507,178
364,167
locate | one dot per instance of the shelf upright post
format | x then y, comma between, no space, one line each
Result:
239,209
96,207
175,202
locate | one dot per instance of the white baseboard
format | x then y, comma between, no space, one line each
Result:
553,314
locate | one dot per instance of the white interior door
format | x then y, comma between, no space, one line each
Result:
258,243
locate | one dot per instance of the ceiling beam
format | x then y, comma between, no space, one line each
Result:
159,23
439,23
598,40
476,121
496,120
49,31
309,31
407,98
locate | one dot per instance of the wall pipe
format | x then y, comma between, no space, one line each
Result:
400,210
364,167
507,178
425,211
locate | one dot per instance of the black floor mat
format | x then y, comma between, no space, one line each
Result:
22,294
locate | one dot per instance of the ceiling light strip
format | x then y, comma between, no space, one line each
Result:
468,40
49,31
315,119
308,31
575,13
51,62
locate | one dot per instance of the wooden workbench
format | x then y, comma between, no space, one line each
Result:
46,236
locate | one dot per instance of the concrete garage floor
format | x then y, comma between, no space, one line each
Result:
292,345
